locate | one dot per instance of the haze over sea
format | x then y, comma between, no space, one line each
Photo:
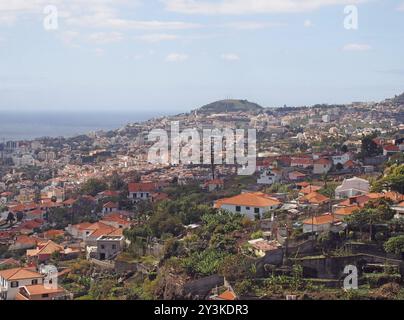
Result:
30,125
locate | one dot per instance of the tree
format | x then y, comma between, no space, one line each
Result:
116,182
395,245
163,222
10,218
371,215
204,263
369,147
235,267
394,178
93,187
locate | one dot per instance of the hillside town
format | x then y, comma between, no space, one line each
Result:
327,193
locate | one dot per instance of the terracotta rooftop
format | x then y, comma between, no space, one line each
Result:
260,200
19,274
323,219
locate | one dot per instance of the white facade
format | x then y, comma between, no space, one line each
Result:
308,228
321,168
24,160
250,212
352,187
269,177
10,288
139,195
342,159
109,246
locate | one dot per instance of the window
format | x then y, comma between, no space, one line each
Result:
102,246
14,284
45,295
256,210
238,208
34,281
114,246
247,208
141,195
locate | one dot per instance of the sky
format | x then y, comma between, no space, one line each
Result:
176,55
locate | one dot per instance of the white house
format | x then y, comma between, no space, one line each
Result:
389,150
251,204
270,176
321,223
352,187
110,207
12,279
322,166
341,158
141,191
109,246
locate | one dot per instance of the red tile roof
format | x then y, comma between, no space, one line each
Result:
260,200
142,187
323,219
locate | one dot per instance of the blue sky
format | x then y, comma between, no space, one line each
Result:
175,55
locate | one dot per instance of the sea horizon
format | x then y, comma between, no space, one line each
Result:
21,125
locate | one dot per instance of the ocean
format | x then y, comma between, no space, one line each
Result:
31,125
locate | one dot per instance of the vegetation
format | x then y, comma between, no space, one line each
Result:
395,245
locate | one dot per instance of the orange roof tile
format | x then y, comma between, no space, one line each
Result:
110,205
40,289
19,274
323,219
249,199
228,295
142,187
315,198
346,211
309,189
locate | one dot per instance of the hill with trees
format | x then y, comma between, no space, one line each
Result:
224,106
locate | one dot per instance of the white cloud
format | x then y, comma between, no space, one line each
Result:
308,24
356,47
105,37
177,57
102,21
239,7
87,14
230,57
401,7
157,37
253,25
